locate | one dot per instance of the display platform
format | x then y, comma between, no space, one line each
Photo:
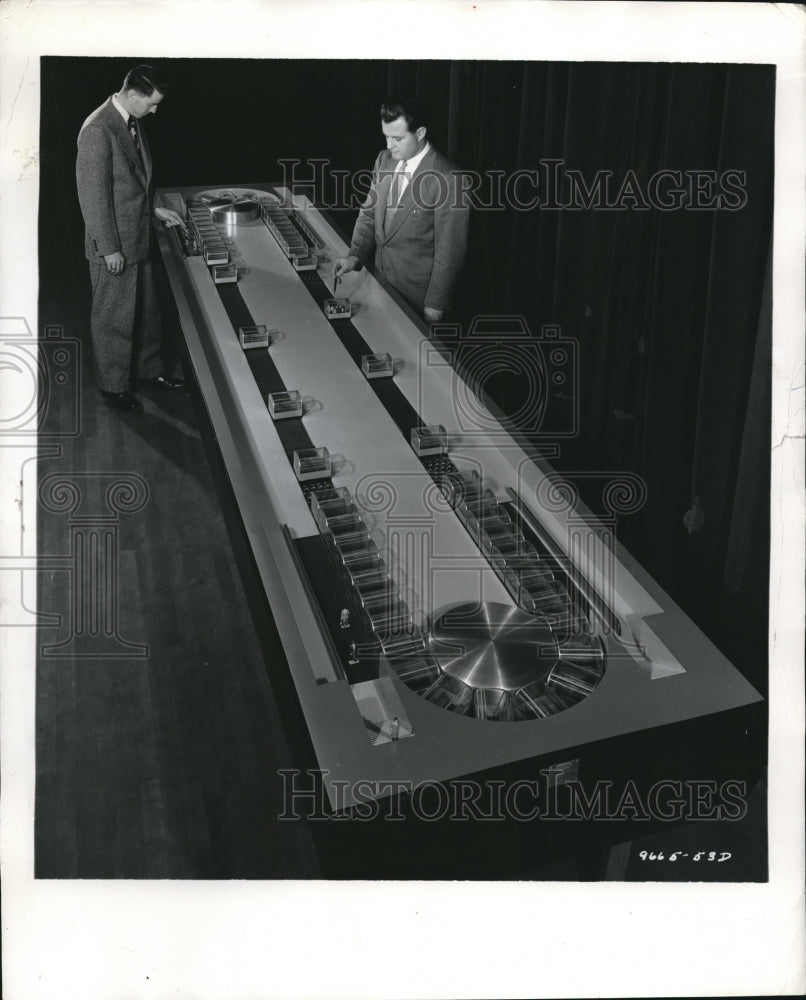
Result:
445,609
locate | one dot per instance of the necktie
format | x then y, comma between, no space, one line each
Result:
132,123
395,190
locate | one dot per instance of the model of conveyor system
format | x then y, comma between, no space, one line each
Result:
491,661
210,212
560,648
488,660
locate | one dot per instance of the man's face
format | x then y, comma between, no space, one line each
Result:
139,105
401,143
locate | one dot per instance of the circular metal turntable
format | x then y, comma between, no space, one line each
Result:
231,207
493,646
497,662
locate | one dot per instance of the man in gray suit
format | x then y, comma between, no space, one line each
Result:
414,221
113,177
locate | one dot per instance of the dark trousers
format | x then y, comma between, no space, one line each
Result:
126,326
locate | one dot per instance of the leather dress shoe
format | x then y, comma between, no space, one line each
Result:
123,402
164,382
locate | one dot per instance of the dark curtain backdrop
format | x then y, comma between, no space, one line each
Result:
671,310
669,307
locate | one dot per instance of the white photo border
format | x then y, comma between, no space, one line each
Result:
96,939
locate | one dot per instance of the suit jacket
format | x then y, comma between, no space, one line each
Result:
113,181
422,251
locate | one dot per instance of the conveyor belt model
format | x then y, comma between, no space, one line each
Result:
443,609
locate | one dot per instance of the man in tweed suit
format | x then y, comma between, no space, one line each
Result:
414,222
113,177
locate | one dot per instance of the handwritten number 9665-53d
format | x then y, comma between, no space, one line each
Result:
717,856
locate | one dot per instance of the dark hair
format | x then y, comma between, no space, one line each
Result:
411,109
145,80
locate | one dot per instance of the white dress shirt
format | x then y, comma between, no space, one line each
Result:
411,166
124,114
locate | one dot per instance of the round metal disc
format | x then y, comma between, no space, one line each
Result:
238,211
493,646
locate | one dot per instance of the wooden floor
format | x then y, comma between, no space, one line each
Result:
163,764
159,745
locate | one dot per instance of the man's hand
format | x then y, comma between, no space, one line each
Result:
115,262
170,217
344,265
432,315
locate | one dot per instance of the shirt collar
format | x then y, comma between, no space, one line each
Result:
414,162
124,114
